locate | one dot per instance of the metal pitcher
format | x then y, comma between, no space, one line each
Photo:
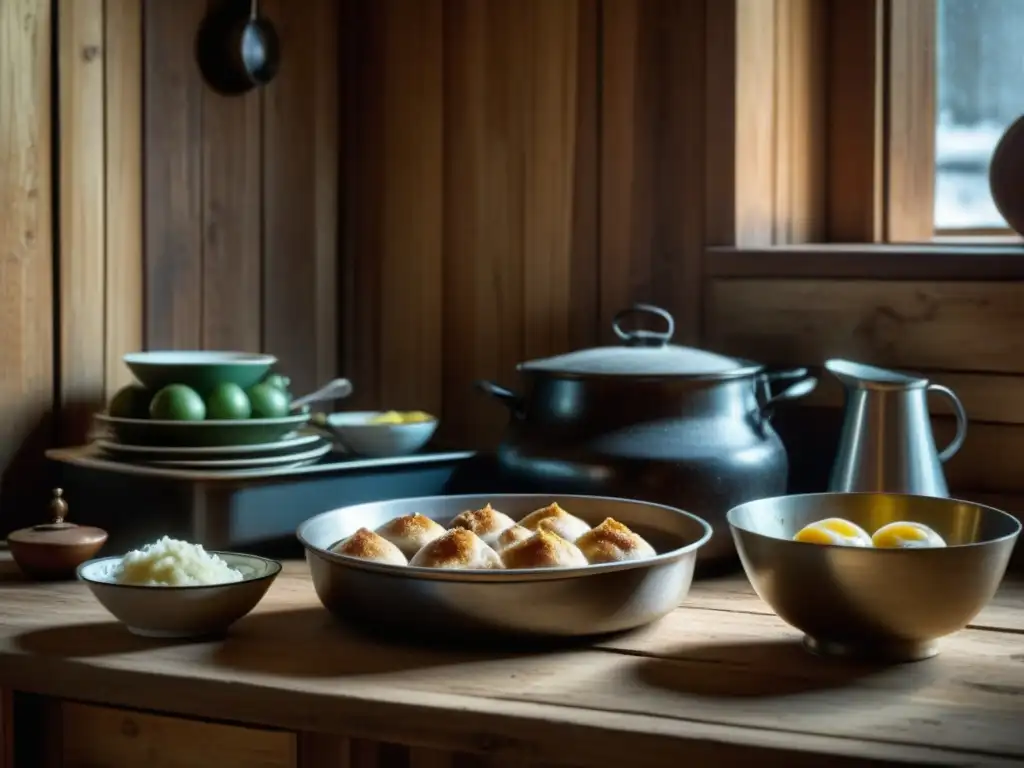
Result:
886,442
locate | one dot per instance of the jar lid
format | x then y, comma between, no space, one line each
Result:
644,353
58,532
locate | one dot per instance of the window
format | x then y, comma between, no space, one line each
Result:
980,91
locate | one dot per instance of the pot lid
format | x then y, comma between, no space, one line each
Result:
644,353
58,533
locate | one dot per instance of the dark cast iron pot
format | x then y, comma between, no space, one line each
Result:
652,421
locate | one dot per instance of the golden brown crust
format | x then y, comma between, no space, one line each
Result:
512,535
457,548
410,533
555,519
487,522
367,545
613,542
543,549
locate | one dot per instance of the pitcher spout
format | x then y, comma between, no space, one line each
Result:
858,375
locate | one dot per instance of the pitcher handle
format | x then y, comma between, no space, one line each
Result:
961,422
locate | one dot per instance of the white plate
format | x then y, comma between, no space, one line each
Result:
257,463
288,444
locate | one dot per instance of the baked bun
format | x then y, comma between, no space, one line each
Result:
410,533
367,545
511,536
612,542
487,523
555,519
543,549
457,548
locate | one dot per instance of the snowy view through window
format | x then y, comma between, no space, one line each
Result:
981,91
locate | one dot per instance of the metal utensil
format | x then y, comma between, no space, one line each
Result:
891,604
567,602
237,48
333,390
886,442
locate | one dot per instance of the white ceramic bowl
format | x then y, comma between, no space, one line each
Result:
181,612
355,432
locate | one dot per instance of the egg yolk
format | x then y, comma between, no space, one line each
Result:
903,535
834,530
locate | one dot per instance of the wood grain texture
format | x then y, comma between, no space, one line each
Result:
510,155
300,181
911,82
100,182
997,398
125,263
411,221
704,684
800,127
26,256
100,737
173,131
957,326
652,158
918,261
232,219
855,120
241,195
82,261
740,79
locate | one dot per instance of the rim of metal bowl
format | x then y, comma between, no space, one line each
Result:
511,575
272,573
878,550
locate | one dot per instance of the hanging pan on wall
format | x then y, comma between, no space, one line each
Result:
237,48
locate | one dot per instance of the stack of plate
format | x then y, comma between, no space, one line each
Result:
215,445
211,445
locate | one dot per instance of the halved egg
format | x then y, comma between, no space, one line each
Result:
834,530
906,535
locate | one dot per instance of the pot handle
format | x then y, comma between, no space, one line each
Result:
640,337
510,399
801,384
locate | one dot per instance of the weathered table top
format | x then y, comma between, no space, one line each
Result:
720,681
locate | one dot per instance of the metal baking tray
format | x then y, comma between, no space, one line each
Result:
541,602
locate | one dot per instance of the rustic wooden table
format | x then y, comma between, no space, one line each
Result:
720,681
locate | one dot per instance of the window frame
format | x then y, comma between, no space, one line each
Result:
870,119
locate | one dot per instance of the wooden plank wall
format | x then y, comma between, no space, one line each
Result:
961,334
70,243
26,266
241,193
512,177
508,176
434,190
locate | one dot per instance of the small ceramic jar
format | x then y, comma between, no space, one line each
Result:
54,550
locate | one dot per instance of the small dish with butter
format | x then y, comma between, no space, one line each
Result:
175,589
877,575
379,434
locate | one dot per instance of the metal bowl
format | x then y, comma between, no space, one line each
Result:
540,602
890,604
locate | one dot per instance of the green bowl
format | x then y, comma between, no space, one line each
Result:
201,370
200,434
